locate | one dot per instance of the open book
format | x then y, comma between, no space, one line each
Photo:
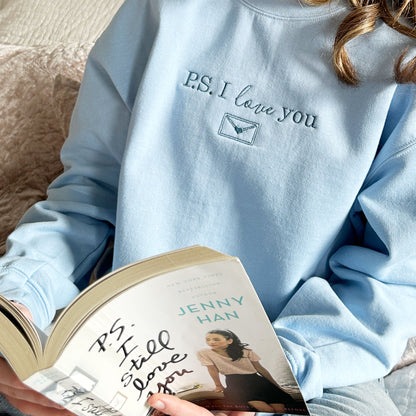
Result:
147,328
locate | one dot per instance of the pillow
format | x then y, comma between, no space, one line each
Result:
65,93
36,105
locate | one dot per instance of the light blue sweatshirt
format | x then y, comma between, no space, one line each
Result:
222,123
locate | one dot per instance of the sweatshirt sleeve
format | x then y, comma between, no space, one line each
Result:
59,240
353,327
204,358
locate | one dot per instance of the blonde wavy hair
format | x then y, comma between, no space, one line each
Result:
398,14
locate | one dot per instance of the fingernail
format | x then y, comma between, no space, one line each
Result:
159,405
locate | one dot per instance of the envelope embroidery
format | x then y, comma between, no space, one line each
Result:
237,128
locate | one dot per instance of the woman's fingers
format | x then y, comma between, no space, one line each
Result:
8,376
28,395
35,409
24,398
24,310
173,406
12,387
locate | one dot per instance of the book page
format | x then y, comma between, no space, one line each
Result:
146,340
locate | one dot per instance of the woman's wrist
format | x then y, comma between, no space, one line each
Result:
22,308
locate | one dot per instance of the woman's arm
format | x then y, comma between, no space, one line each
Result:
58,241
215,375
354,326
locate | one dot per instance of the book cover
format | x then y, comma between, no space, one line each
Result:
157,336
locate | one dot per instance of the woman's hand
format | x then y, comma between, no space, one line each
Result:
25,399
174,406
22,308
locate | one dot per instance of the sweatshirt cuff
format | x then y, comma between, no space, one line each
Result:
37,292
305,363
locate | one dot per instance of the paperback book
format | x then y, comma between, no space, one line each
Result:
187,323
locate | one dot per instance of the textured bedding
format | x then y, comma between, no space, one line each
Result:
43,48
44,22
39,86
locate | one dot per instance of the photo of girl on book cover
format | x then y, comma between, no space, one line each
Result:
247,382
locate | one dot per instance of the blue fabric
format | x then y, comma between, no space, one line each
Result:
222,123
401,385
369,399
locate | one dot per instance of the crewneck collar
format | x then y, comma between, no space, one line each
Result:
294,9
